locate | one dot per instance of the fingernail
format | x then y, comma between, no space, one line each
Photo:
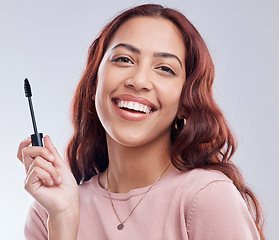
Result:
59,179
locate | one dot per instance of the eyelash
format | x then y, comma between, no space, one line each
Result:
122,60
127,60
166,69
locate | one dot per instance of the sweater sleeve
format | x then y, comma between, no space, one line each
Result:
219,212
36,223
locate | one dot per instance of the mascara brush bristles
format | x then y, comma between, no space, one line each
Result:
27,88
36,137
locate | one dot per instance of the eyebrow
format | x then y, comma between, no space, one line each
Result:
167,55
127,46
157,54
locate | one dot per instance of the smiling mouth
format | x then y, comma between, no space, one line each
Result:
132,106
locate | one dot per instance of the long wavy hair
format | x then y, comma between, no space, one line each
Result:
205,141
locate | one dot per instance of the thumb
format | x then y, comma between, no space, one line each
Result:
58,162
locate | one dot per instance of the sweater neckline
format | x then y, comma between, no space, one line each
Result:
133,192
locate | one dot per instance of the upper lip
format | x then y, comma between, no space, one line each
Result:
141,100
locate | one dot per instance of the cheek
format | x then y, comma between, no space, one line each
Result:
170,96
105,83
102,92
109,78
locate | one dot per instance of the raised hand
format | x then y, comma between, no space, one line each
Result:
50,181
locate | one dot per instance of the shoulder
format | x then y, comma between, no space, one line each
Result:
36,222
208,186
203,176
211,189
204,185
201,188
197,180
37,210
212,200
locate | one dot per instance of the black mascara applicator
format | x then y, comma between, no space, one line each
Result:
36,137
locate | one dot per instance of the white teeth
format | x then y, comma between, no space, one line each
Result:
137,106
130,105
134,106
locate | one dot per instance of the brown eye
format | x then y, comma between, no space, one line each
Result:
122,60
166,69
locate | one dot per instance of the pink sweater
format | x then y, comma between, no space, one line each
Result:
199,204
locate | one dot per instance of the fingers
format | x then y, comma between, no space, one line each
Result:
59,162
37,177
41,172
30,153
42,164
23,144
41,167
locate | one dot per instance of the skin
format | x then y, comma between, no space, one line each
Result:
141,72
50,181
138,146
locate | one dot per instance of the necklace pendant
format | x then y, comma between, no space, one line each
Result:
120,226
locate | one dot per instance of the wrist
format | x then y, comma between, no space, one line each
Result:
64,225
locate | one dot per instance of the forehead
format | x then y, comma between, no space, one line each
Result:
150,34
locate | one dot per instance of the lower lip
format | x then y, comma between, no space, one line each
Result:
131,116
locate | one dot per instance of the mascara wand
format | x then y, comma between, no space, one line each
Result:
36,137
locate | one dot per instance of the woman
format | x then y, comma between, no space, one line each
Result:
150,150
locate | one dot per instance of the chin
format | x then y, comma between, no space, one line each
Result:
129,140
139,138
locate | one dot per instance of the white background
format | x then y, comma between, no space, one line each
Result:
47,42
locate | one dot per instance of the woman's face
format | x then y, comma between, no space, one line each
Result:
140,79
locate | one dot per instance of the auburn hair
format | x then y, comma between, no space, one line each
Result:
205,141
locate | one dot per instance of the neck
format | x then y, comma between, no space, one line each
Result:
135,167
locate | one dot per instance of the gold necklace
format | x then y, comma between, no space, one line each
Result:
120,226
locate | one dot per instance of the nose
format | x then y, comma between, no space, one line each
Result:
139,80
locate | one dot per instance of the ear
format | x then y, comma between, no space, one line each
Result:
180,113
